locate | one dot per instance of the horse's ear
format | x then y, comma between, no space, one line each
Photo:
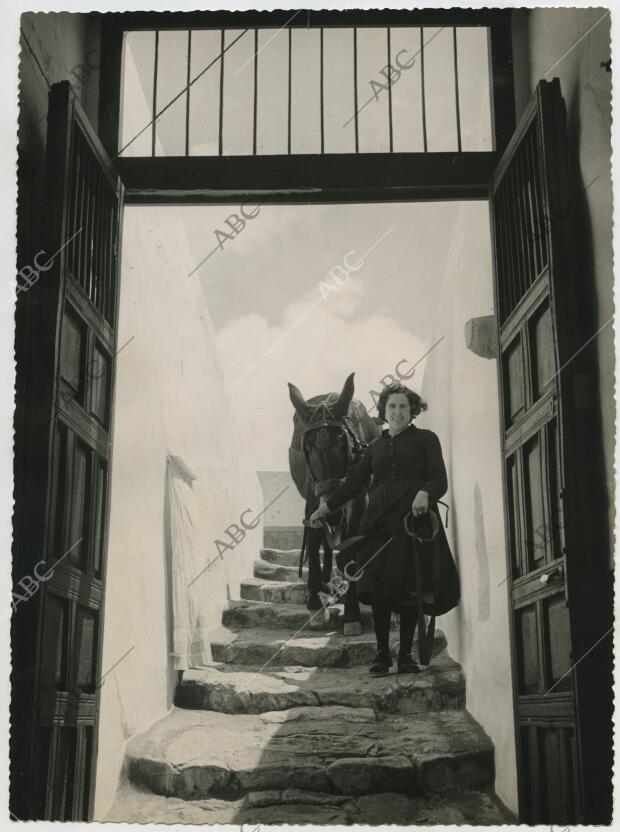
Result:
299,403
341,406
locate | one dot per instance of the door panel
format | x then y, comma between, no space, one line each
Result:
532,430
548,497
85,203
534,480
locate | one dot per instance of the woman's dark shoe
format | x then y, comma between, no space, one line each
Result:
406,664
381,665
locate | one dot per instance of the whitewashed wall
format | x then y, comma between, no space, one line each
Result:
462,393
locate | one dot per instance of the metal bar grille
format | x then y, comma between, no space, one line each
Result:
360,68
91,221
520,230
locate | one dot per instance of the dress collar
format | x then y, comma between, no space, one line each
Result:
386,433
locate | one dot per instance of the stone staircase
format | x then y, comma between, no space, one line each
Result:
286,726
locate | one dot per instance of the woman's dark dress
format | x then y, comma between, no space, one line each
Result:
401,466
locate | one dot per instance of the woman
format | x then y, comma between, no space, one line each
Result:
409,475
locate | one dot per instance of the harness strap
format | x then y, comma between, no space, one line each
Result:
426,637
303,550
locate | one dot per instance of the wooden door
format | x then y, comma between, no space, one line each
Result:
550,494
68,336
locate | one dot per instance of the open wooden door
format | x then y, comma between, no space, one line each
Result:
559,576
66,349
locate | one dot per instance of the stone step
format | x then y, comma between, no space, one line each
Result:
284,557
283,537
268,615
255,589
234,689
278,648
275,572
299,806
200,754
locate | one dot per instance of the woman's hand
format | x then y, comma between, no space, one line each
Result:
317,516
419,505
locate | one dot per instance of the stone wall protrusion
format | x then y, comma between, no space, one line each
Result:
481,336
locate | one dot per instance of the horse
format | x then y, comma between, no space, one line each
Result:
330,432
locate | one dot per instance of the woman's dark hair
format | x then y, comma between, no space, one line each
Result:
416,403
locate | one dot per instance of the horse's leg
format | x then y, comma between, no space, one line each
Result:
352,619
327,562
314,569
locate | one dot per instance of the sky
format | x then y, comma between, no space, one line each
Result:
282,316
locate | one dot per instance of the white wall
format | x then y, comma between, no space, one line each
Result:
462,394
171,397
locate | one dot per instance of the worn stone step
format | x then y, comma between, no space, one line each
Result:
235,689
287,537
256,589
296,806
277,648
200,754
275,572
246,614
283,557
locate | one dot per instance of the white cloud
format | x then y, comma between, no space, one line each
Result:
316,352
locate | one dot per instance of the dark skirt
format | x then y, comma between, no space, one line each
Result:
381,562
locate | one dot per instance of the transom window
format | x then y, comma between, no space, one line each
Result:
298,90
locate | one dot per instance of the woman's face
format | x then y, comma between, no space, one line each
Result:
397,411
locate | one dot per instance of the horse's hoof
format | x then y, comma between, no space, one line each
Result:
352,628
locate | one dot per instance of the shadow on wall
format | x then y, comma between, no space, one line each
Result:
171,674
461,637
484,600
590,312
187,642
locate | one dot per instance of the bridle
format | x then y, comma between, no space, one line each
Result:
323,420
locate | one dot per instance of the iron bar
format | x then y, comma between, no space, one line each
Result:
355,106
322,101
221,135
423,91
389,68
187,101
155,68
255,89
456,90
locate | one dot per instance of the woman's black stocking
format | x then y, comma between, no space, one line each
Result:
408,622
381,616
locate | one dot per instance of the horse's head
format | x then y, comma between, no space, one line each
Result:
328,444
